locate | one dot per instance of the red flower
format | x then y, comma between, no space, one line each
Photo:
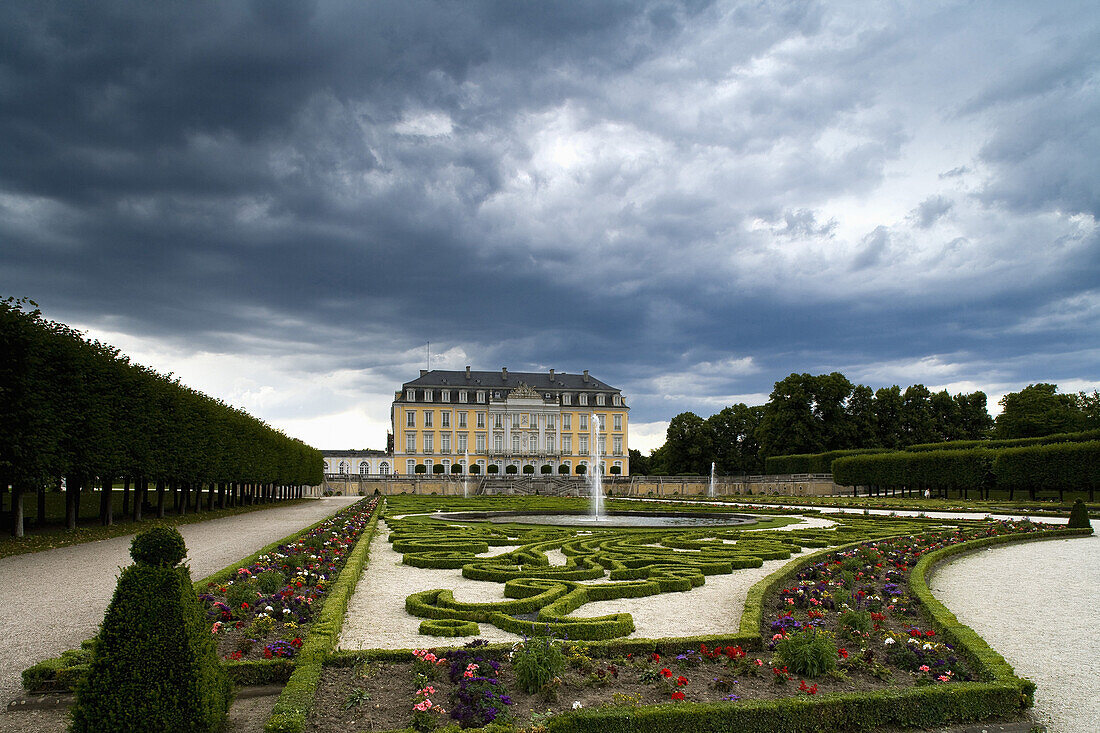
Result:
655,657
666,672
681,680
267,653
677,696
930,632
296,642
842,652
244,605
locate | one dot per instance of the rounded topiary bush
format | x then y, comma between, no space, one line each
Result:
1079,516
160,545
154,664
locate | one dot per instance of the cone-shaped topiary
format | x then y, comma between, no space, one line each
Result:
154,663
1079,516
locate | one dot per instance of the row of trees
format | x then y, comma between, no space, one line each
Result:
1039,410
815,413
78,409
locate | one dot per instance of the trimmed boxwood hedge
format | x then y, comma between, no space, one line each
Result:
811,462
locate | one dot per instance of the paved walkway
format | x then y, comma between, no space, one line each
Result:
51,601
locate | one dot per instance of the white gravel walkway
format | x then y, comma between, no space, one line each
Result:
376,617
53,600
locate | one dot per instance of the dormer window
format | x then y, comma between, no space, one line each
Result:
427,395
600,399
584,399
567,399
616,400
481,396
463,395
445,395
410,395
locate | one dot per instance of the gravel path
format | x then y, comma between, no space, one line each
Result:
1035,603
53,600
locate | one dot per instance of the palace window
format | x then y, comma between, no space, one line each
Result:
428,419
445,443
384,468
567,444
567,399
462,419
498,442
584,398
617,445
550,421
534,442
618,422
567,421
410,419
600,399
364,468
603,446
410,442
584,444
427,395
462,396
584,421
462,443
410,466
616,400
429,440
549,444
344,468
479,442
481,396
481,419
445,395
498,420
445,420
515,444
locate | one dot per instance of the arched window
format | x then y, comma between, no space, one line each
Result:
384,468
364,468
344,466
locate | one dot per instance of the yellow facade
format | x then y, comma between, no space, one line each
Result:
439,423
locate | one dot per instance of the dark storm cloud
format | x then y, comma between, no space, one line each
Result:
647,190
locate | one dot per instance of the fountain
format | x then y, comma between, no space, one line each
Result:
595,481
710,489
466,477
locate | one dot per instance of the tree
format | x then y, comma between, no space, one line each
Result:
639,464
1039,410
917,419
888,409
736,450
973,416
689,444
862,419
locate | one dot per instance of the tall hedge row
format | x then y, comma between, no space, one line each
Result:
812,462
935,470
1054,467
79,409
1049,467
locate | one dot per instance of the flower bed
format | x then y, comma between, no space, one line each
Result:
265,607
843,634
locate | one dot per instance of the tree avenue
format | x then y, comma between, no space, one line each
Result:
78,410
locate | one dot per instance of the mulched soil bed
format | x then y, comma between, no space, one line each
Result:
855,603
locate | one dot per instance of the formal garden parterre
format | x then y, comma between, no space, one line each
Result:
847,636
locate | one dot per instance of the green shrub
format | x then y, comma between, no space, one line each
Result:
851,621
160,545
475,469
546,469
1079,516
581,469
456,468
536,662
563,469
510,469
528,468
439,468
154,664
493,468
241,592
808,653
270,581
420,468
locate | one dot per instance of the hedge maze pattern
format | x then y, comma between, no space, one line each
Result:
601,564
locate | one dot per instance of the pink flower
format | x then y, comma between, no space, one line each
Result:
924,668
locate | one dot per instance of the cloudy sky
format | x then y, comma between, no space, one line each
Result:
283,202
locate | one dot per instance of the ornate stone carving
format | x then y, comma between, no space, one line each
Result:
524,391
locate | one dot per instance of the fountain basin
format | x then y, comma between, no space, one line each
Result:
609,520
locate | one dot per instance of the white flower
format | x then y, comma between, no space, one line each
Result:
269,609
888,641
577,705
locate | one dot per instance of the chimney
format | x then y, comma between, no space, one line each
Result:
551,375
586,376
504,373
423,372
467,371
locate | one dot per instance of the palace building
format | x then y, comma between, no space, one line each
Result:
535,422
